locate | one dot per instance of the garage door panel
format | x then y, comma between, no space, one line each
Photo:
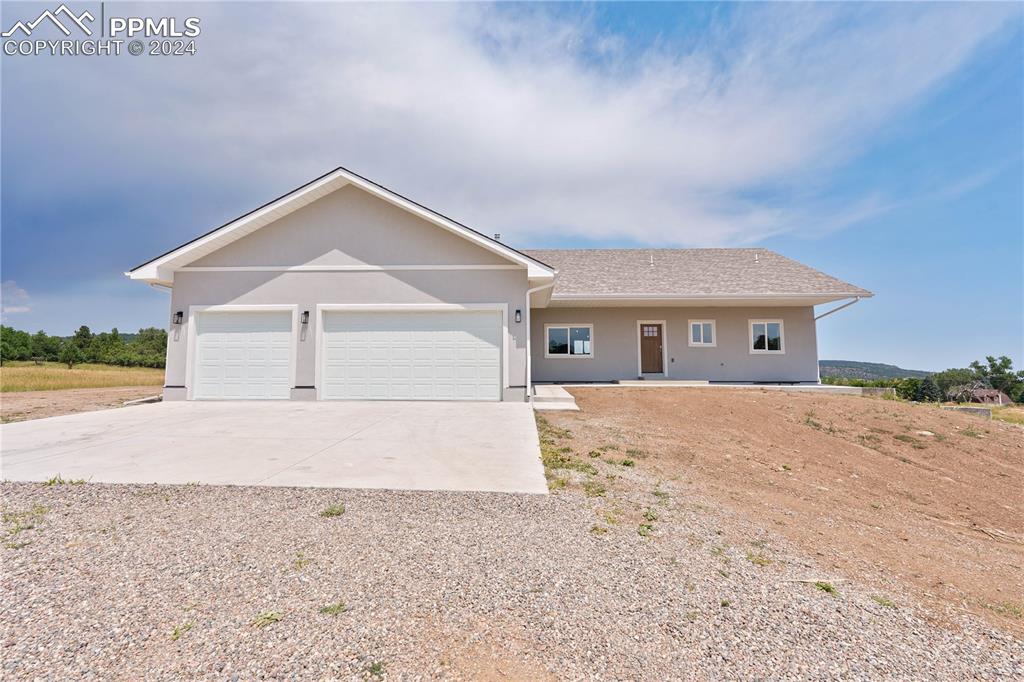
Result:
243,355
412,355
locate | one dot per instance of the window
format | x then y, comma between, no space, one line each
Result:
569,341
766,336
702,333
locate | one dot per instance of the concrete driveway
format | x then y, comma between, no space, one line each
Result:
394,445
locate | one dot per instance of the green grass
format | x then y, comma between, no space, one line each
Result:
757,559
376,669
266,618
333,510
334,609
827,588
17,376
180,630
1008,609
627,463
57,480
594,489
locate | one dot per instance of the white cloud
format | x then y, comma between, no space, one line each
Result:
13,299
527,122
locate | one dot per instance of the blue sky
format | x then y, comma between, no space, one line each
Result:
881,143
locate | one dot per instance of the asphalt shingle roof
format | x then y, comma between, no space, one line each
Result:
686,272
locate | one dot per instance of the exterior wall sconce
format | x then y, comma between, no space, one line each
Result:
304,318
519,316
178,317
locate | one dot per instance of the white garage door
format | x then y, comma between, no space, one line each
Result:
435,355
243,356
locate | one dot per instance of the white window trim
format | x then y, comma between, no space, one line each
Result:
664,347
190,342
567,325
323,308
714,334
750,337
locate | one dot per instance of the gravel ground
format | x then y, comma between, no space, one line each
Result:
454,585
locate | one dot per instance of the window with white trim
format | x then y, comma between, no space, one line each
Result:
766,336
703,333
569,340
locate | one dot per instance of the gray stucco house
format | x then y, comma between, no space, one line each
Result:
343,289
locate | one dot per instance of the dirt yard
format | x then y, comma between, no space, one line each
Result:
905,497
15,407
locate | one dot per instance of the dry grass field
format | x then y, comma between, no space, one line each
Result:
53,376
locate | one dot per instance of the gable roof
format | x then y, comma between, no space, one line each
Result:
689,274
160,268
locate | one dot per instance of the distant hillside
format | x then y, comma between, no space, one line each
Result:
850,369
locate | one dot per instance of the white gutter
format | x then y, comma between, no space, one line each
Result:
837,309
157,285
529,351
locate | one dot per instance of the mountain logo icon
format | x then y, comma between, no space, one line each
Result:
54,17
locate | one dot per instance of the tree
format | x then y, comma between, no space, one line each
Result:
45,346
951,378
928,391
69,354
999,374
907,388
14,344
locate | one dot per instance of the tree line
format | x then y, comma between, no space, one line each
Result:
147,348
949,384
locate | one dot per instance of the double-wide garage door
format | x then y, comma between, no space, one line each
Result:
371,355
402,355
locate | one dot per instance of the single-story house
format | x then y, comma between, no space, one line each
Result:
344,289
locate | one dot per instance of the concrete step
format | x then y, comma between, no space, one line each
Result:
549,397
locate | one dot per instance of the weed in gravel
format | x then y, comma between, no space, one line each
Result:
333,510
593,489
827,588
598,530
645,529
17,545
971,433
610,516
180,630
301,561
608,447
718,551
1007,608
634,452
810,421
725,603
594,454
557,483
650,515
786,467
549,434
627,463
17,522
560,459
757,559
692,615
266,618
660,494
334,609
58,480
883,601
376,669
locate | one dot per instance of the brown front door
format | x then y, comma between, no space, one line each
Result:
651,336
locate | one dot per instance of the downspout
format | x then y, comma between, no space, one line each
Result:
529,343
837,309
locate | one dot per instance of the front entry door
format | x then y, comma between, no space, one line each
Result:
651,354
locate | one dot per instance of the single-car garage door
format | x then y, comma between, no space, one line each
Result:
243,355
403,355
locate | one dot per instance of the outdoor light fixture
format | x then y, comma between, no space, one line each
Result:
178,317
305,317
519,316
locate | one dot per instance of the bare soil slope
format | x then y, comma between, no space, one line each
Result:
19,406
901,495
